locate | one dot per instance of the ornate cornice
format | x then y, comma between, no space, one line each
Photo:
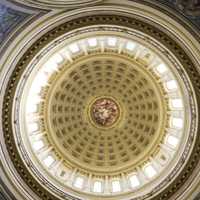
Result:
5,193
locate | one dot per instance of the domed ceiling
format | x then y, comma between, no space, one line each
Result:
101,101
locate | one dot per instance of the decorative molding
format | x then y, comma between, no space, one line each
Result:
56,4
5,193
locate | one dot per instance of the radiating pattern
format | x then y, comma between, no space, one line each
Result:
94,67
